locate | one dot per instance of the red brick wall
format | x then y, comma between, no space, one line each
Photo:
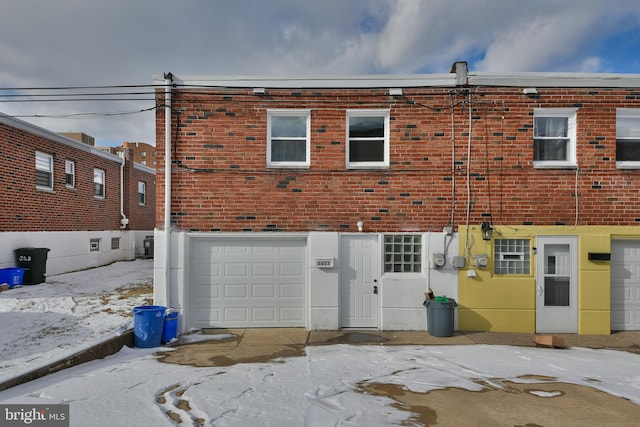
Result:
141,217
221,182
24,208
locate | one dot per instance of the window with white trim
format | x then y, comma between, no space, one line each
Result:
367,139
628,137
98,183
403,253
44,171
142,193
554,140
512,256
70,173
288,138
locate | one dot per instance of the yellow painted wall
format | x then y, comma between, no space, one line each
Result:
507,303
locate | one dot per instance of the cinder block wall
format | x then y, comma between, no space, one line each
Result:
221,182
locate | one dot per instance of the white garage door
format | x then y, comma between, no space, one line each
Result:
247,282
625,285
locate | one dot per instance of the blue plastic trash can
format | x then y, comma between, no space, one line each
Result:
170,328
148,321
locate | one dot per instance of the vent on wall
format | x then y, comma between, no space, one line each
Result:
94,245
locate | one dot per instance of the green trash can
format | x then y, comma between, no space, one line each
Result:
440,316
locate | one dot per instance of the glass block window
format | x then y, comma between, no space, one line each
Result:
403,253
512,256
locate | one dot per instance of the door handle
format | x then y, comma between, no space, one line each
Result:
375,290
539,291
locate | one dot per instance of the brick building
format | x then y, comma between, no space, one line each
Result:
335,202
140,152
88,207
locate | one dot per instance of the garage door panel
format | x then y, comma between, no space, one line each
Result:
263,269
248,282
236,291
264,314
625,285
235,314
290,291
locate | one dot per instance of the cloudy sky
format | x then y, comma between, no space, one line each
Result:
79,43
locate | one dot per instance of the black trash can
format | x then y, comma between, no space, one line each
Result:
34,262
440,316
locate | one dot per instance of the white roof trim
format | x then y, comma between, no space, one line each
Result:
316,82
144,168
594,80
520,79
55,137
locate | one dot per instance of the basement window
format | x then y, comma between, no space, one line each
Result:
94,245
512,256
403,253
115,243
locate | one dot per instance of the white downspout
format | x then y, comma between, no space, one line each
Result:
124,220
167,187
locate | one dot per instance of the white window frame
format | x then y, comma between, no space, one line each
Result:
99,173
44,163
627,113
571,115
70,170
369,113
307,139
142,191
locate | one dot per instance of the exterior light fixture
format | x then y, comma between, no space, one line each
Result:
360,224
530,91
395,91
259,91
486,230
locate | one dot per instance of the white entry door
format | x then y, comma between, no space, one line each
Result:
359,281
557,285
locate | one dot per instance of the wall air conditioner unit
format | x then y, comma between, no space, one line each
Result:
325,262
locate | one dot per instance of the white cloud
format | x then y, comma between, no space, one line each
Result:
74,43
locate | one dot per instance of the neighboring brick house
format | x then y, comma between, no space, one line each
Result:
140,152
335,202
81,203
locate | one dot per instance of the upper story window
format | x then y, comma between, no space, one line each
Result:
554,143
368,138
143,154
628,137
70,173
44,171
142,193
98,183
288,141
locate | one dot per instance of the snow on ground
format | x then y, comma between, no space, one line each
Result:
69,312
324,387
